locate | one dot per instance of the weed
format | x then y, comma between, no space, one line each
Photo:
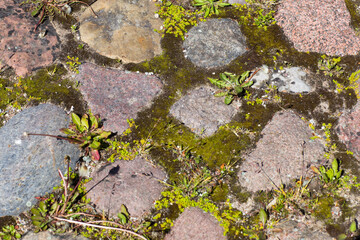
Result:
9,232
87,132
329,175
232,85
73,64
263,21
210,6
352,84
48,8
330,66
176,19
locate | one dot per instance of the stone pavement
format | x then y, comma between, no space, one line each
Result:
283,145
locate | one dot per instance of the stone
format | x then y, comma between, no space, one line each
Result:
321,26
21,47
348,129
116,95
29,165
303,228
292,80
194,223
123,183
205,45
202,112
284,153
124,29
48,236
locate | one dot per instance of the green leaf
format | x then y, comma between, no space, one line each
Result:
124,211
335,165
228,99
17,235
353,227
67,131
37,218
263,216
35,211
104,134
42,207
207,12
36,223
95,145
220,94
342,236
238,89
85,121
330,174
248,84
94,122
122,218
76,120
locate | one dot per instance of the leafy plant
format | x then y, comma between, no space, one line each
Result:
48,8
86,131
176,19
73,64
263,21
329,174
232,85
210,6
330,66
9,232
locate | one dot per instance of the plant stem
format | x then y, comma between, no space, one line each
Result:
99,226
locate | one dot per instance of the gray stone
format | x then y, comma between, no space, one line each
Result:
46,235
285,146
28,165
293,79
202,112
194,223
214,43
124,29
348,130
116,95
303,228
132,183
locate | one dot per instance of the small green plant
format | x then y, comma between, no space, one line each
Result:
49,8
352,84
210,6
263,21
232,85
330,175
330,66
87,132
9,233
73,64
176,19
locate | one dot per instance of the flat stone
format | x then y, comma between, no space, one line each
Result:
194,223
28,165
20,45
132,183
292,80
321,26
202,112
116,95
124,29
289,229
348,130
285,146
205,45
46,235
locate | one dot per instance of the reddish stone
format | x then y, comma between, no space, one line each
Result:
20,46
348,130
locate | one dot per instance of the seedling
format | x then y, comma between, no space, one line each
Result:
330,66
329,174
73,64
9,232
87,132
232,85
210,6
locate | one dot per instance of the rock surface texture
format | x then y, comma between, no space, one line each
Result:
318,26
46,235
299,229
194,223
285,146
202,112
292,80
28,165
116,95
348,130
132,183
205,45
20,45
124,29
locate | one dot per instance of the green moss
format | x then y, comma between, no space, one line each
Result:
355,16
323,208
47,85
220,193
